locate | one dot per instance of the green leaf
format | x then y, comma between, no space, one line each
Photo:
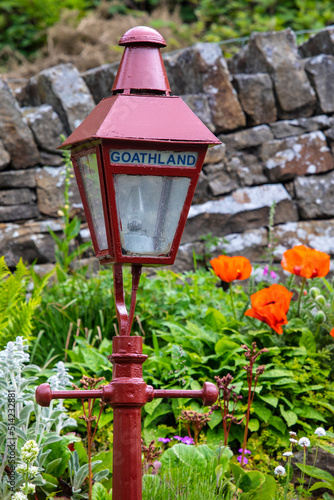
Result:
51,482
52,465
323,484
183,455
327,448
150,407
162,409
106,461
277,373
99,492
270,399
289,416
308,341
267,490
316,473
225,345
278,423
261,411
216,418
93,358
254,425
308,412
215,319
251,481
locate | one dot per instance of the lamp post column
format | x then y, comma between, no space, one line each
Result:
130,393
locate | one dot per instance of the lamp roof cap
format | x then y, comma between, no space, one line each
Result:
142,34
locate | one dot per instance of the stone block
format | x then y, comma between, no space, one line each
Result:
31,241
215,154
45,125
65,90
18,179
246,208
203,69
299,126
199,104
320,70
257,98
17,196
202,189
275,53
320,43
4,157
15,135
314,196
318,234
248,138
14,213
306,154
50,183
251,244
219,180
247,169
51,160
100,80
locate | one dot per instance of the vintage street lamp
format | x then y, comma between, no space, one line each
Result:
137,158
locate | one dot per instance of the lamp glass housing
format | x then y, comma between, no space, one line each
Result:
89,174
148,212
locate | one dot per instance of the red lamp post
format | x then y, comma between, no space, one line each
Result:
137,158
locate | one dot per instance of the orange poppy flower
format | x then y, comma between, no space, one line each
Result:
306,262
231,268
271,305
332,332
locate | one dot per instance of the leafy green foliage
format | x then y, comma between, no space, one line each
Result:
190,335
23,22
16,311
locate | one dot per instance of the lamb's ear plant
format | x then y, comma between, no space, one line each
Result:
44,429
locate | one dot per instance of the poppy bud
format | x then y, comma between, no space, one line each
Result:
314,291
321,300
320,317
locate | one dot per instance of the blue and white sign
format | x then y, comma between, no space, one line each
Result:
149,157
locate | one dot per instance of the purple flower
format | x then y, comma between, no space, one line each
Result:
179,438
164,440
184,440
246,451
245,459
188,440
265,271
273,274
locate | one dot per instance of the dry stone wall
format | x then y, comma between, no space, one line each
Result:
272,107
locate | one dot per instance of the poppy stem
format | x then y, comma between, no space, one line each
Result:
300,296
232,302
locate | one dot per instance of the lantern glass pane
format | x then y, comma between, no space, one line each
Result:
149,210
91,182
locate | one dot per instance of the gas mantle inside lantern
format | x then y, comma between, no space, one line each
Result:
137,158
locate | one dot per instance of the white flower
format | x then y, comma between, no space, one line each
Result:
320,431
288,454
292,433
33,471
280,470
19,496
304,442
293,440
29,451
22,468
31,488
